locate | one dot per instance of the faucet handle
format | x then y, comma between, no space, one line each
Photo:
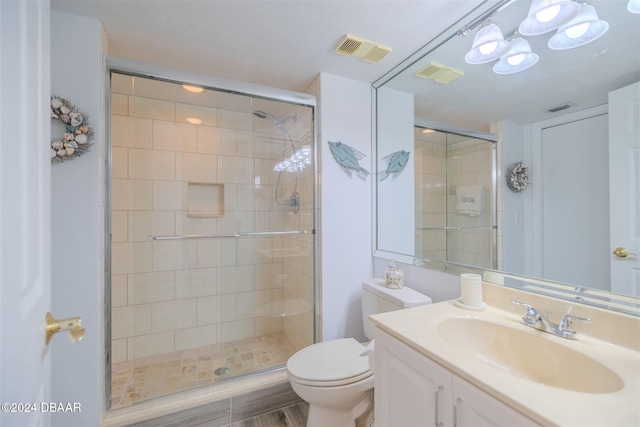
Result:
529,306
532,314
566,321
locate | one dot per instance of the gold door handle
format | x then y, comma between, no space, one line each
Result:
623,253
72,324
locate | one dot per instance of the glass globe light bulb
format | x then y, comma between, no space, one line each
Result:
577,30
547,14
516,59
487,48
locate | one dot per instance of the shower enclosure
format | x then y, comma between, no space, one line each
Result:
455,188
212,242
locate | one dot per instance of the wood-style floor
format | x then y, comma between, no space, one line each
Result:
291,416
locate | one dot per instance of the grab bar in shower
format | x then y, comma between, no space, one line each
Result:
494,227
236,234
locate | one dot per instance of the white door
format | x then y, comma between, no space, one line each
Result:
624,190
574,184
24,212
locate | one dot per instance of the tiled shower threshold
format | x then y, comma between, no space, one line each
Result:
249,396
151,377
154,390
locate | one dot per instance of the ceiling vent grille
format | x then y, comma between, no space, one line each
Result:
439,73
561,107
366,50
348,45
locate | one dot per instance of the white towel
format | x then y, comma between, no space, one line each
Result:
470,199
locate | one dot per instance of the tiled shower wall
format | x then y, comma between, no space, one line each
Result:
431,198
179,294
470,162
440,169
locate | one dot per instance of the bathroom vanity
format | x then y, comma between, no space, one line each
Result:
445,366
413,390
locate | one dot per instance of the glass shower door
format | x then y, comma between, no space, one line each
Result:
455,198
212,244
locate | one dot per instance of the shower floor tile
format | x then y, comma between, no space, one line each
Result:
137,380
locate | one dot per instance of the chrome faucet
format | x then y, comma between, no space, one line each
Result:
533,318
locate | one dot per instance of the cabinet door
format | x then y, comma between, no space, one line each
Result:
473,407
410,389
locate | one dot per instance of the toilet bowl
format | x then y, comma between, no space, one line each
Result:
334,379
333,376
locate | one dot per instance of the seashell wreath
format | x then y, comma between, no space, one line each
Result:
518,177
78,134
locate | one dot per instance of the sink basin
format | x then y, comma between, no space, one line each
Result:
528,355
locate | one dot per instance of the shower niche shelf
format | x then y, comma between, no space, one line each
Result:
205,200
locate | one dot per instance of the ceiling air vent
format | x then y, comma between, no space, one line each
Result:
439,73
348,45
366,50
561,107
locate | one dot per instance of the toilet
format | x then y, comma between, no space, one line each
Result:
333,376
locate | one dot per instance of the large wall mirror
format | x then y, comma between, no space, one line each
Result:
529,173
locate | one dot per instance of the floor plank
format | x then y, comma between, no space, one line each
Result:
291,416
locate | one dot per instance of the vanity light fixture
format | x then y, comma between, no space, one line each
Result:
633,6
193,89
194,121
583,29
547,15
488,44
517,59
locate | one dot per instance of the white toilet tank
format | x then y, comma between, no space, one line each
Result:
377,298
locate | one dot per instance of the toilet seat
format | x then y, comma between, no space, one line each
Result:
330,363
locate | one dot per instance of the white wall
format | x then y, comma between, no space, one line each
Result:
514,209
396,197
438,285
345,206
77,223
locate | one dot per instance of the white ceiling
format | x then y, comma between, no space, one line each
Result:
583,76
276,43
285,44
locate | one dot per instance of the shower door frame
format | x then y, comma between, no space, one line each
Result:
132,67
493,139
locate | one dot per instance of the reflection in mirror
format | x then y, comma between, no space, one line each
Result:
455,198
572,118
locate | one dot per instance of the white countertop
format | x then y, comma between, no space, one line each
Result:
547,405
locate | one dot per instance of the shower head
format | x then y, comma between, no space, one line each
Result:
293,200
278,122
263,115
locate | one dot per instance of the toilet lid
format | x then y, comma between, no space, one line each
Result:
332,362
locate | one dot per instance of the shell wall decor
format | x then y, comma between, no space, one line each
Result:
517,177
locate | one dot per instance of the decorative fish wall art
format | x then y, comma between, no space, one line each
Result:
395,164
347,158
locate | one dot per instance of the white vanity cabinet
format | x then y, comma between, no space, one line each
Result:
412,390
